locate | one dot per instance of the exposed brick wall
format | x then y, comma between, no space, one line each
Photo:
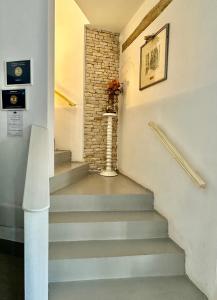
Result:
101,65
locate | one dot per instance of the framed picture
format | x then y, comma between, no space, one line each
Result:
14,99
18,72
154,59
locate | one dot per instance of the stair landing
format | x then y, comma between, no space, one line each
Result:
94,184
97,193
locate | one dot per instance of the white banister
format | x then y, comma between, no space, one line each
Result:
36,203
176,154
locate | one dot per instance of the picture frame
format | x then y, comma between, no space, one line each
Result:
13,99
18,72
154,59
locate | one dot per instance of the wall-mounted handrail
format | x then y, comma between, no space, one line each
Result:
36,203
66,99
177,155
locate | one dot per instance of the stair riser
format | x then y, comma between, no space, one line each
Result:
63,203
107,231
116,267
62,157
62,180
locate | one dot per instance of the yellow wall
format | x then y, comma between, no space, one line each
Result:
69,75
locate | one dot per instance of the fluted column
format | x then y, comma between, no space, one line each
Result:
108,171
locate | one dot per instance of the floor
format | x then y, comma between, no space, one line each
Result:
95,184
11,277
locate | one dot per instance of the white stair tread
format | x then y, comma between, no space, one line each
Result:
116,248
154,288
89,217
65,167
94,184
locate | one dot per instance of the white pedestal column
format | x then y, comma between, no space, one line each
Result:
108,171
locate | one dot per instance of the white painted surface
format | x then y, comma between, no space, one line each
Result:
11,215
36,203
109,15
36,255
12,234
50,110
109,172
24,34
186,107
69,73
36,191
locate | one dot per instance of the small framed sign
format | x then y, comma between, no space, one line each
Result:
18,72
14,99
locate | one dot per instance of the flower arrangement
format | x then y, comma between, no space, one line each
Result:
114,89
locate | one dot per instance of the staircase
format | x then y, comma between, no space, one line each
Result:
107,241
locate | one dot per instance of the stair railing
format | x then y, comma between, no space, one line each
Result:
176,154
66,99
36,203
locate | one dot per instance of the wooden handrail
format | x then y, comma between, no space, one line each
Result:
66,99
177,155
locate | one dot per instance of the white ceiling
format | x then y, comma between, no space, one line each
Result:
110,15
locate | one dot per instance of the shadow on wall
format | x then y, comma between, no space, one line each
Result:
13,159
189,119
64,124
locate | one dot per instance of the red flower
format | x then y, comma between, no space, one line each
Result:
114,87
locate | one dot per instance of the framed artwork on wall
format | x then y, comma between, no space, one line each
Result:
18,72
13,99
154,59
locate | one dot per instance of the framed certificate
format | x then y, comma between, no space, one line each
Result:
18,72
14,99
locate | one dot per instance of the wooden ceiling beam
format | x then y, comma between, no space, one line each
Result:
148,19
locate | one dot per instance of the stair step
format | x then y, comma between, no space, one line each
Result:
61,157
74,261
66,174
149,288
63,202
97,193
78,226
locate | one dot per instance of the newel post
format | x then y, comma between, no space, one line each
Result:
36,255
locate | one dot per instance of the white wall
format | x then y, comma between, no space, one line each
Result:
69,72
186,107
23,34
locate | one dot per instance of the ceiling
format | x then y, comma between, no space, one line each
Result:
110,15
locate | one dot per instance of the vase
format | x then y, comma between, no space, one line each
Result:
112,104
